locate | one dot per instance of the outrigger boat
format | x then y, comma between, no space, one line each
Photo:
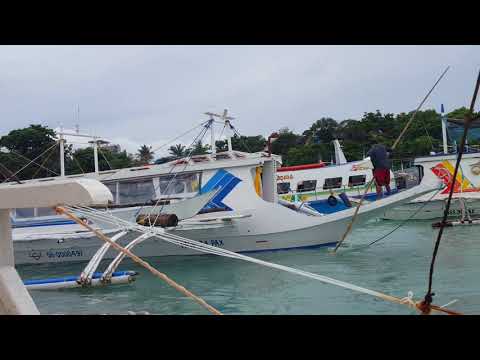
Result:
466,196
328,188
227,199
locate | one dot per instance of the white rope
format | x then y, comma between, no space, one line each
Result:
205,248
25,158
31,162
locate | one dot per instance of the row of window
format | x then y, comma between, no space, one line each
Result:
142,190
136,191
330,183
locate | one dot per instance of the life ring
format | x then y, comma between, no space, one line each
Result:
476,169
332,200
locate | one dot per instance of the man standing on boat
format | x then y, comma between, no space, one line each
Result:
379,155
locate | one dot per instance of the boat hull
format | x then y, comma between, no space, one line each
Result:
431,210
285,229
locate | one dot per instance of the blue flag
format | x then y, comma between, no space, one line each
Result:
442,109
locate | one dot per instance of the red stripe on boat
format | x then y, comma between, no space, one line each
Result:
302,167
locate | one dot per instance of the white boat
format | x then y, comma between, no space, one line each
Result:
243,214
320,185
466,197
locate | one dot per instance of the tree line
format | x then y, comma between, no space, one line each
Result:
314,144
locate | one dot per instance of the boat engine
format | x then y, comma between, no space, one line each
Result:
162,220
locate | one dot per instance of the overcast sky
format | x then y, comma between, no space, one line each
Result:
135,95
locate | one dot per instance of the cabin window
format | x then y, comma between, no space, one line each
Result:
45,211
25,213
283,188
356,180
307,185
137,191
180,184
332,183
222,156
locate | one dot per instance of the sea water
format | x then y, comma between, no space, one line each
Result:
395,265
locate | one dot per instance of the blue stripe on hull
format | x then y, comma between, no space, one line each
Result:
289,248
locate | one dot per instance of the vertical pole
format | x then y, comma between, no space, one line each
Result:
6,246
95,154
444,130
212,138
229,138
229,130
14,297
62,156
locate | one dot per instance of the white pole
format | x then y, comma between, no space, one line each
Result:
212,137
229,138
6,245
62,155
444,135
226,121
95,154
14,297
444,131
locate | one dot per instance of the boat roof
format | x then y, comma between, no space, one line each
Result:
302,167
436,157
195,163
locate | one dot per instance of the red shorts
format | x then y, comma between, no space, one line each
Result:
382,176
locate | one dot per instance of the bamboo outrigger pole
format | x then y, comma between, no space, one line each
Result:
350,225
138,260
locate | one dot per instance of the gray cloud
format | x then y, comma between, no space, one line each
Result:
148,94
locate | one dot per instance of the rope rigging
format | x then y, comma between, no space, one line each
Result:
43,163
198,138
31,162
209,249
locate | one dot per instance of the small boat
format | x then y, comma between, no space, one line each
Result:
466,197
328,188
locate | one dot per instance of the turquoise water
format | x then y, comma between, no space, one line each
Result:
395,265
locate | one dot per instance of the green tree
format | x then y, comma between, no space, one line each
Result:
199,149
177,150
145,154
31,143
286,140
243,143
112,157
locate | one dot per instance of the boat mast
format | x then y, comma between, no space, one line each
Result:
95,142
444,131
226,120
95,154
62,153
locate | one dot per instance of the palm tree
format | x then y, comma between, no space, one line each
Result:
145,154
199,148
177,150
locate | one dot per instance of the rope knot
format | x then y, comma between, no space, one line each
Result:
425,305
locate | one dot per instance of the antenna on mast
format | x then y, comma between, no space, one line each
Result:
226,120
